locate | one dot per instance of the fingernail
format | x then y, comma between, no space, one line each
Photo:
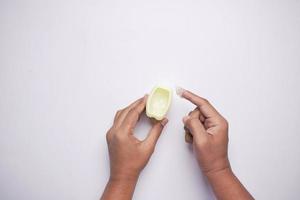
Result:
185,118
164,122
179,91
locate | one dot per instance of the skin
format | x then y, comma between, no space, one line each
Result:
206,130
209,131
128,155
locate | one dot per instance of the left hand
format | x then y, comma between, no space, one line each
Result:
128,155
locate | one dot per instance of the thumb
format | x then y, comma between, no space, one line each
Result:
155,132
195,127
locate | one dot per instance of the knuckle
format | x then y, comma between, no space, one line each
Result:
187,121
205,101
118,112
108,135
190,121
134,112
224,123
194,112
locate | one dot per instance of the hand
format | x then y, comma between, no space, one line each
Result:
128,155
209,132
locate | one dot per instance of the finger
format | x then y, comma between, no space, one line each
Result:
195,113
123,113
204,106
134,113
188,137
200,116
155,132
117,115
195,127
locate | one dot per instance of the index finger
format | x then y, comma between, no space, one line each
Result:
204,106
134,113
121,115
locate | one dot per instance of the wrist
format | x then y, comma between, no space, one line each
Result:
222,167
226,171
120,187
123,182
124,177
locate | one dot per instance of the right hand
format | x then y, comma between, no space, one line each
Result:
209,132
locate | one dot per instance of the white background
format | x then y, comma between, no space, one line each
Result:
67,66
